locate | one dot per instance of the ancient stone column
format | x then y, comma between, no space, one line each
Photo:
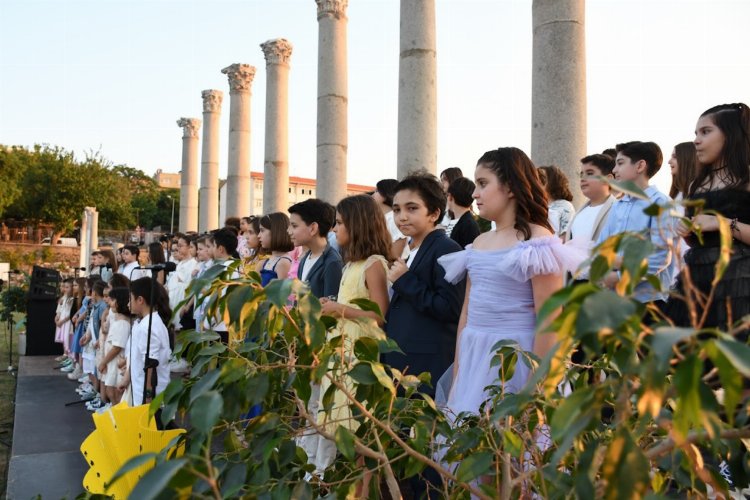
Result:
332,141
238,167
85,256
276,162
208,218
558,101
189,175
417,88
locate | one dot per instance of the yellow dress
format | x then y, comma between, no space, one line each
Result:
322,452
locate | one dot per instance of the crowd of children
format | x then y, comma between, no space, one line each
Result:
447,291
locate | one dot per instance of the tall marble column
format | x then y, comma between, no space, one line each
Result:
417,88
189,176
208,218
238,167
276,163
333,99
558,102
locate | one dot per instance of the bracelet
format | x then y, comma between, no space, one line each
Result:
733,225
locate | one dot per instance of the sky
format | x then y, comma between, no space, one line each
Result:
114,75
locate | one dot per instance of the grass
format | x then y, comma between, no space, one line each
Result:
7,403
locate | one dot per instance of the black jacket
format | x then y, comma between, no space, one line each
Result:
325,276
466,230
423,314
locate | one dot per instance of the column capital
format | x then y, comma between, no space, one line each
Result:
335,8
190,127
212,100
277,51
240,77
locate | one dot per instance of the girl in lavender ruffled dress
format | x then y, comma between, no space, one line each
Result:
511,272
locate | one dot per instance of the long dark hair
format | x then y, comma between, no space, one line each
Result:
557,185
81,282
121,296
142,288
156,253
364,221
516,171
687,168
278,224
734,122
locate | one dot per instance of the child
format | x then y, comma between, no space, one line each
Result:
463,229
255,252
682,166
63,324
178,281
154,379
108,265
383,195
362,235
511,272
130,262
722,144
91,337
80,322
204,256
156,256
424,309
638,162
224,251
117,338
561,210
274,237
320,267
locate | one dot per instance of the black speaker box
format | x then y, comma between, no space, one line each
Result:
40,328
45,275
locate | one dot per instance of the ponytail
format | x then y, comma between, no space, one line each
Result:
142,288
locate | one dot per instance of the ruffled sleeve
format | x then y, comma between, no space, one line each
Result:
455,265
539,256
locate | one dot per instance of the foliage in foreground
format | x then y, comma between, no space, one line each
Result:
641,417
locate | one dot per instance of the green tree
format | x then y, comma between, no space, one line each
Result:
13,163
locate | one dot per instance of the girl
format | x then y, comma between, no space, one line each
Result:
156,256
722,145
365,242
447,177
561,210
204,256
109,264
243,249
178,281
155,380
274,238
63,324
682,165
116,340
423,313
511,272
255,252
75,370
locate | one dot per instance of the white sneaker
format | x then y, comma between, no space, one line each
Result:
179,366
83,379
76,373
104,408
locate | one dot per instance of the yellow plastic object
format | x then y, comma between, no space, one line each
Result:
121,433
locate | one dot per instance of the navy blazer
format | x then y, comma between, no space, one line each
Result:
424,310
325,276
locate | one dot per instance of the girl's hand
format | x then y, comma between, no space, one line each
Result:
102,368
331,308
706,223
397,269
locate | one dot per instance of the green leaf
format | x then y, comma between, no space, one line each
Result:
512,443
345,442
383,378
629,187
687,381
362,373
367,305
475,465
132,464
157,479
737,353
302,491
257,389
731,380
204,384
625,464
206,410
666,337
366,348
278,292
573,408
603,313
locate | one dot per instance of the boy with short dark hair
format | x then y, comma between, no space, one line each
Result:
460,199
638,162
130,262
321,267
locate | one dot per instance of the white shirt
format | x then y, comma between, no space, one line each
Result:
130,271
412,256
159,350
309,263
583,224
177,283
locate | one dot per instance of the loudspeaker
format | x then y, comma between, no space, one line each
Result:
40,328
44,275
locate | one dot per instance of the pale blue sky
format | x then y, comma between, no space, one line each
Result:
114,75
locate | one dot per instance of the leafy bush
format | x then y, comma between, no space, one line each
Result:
640,415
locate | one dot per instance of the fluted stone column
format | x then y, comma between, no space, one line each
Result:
209,192
333,98
189,176
238,167
276,163
85,256
417,88
558,102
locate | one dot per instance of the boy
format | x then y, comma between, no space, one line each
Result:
589,221
90,341
321,267
224,246
130,262
460,198
638,162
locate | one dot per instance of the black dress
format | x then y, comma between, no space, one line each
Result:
732,296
